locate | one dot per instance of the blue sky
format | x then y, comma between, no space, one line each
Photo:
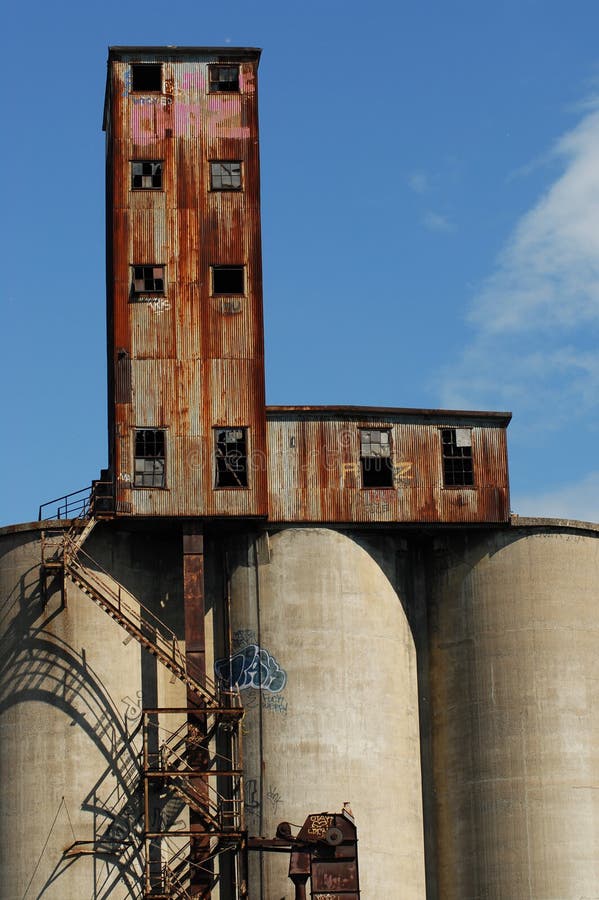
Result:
430,206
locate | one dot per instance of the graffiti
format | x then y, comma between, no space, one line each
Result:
251,699
403,470
242,637
156,304
159,304
230,305
251,801
319,825
127,82
335,881
134,708
252,667
151,101
275,703
275,799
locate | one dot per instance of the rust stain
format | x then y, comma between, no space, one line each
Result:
315,472
194,361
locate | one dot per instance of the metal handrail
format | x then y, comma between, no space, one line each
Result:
142,619
67,508
80,508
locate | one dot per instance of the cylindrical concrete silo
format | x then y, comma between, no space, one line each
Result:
332,701
72,688
515,692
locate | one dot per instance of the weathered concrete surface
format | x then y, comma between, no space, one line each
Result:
515,700
332,714
344,727
70,704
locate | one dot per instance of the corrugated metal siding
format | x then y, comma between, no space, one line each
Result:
195,360
314,472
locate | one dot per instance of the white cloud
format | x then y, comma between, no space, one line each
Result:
549,272
571,501
533,339
535,321
436,222
418,182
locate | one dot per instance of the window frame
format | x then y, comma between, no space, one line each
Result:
213,81
147,293
246,472
389,467
220,267
141,65
224,162
133,162
451,458
138,430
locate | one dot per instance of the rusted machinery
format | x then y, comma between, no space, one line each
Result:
325,850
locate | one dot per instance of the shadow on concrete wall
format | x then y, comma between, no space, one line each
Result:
38,666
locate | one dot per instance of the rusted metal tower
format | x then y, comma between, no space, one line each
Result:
186,369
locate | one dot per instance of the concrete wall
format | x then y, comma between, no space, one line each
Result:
336,718
500,628
515,697
70,705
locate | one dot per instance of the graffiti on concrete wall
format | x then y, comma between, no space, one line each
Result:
252,803
242,637
275,799
251,799
251,667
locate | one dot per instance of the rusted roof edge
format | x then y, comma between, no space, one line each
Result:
501,418
119,52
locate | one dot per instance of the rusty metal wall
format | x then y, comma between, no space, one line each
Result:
184,361
314,467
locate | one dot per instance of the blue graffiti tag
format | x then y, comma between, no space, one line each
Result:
252,667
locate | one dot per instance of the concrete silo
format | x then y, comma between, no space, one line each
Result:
514,649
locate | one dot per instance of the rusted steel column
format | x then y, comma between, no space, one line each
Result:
201,868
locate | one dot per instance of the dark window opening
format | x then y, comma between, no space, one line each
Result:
223,78
146,77
375,458
458,470
231,457
148,279
228,279
146,175
149,470
225,176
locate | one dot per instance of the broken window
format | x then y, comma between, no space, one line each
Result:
223,78
148,280
149,469
457,457
375,458
231,457
225,176
228,280
146,174
146,77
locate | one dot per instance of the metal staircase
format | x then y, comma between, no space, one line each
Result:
192,753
